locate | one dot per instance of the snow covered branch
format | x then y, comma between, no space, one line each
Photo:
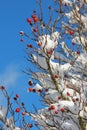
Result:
58,67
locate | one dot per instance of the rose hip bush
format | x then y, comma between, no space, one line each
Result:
59,54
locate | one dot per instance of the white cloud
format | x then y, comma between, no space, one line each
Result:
9,76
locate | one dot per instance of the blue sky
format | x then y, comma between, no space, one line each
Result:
13,16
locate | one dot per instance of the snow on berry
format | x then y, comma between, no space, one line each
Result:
21,33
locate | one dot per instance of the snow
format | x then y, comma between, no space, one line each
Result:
69,126
41,61
68,2
10,122
81,40
61,57
17,128
37,87
52,94
45,79
3,111
49,42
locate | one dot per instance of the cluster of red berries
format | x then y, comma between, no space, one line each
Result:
21,34
34,90
16,97
52,107
75,99
29,46
33,19
17,110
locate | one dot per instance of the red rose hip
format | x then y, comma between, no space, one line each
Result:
17,110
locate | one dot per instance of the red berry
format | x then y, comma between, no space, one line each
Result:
30,83
29,45
73,43
67,86
2,87
34,90
21,33
35,19
49,108
62,109
52,107
30,125
73,100
29,20
34,30
17,96
17,110
30,89
55,76
23,113
33,16
68,94
71,32
50,52
40,90
40,44
78,52
56,112
46,90
59,97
